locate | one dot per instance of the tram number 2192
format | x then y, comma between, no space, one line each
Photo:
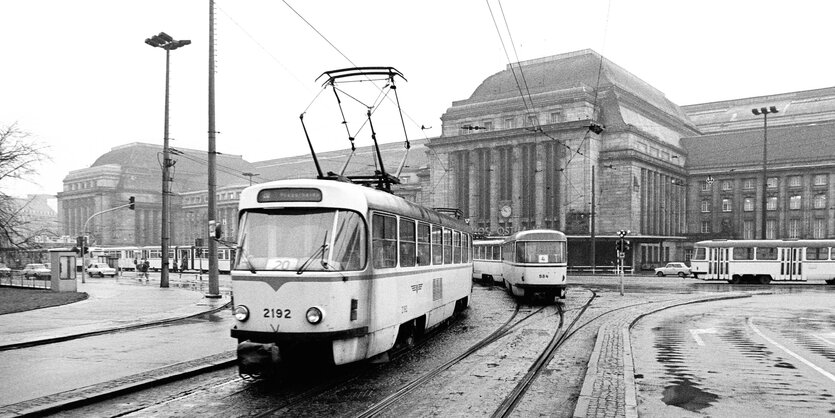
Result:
276,313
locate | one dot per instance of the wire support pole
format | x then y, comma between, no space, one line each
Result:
214,286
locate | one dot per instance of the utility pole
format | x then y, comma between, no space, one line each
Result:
214,286
593,241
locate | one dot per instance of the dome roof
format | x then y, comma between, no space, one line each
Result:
573,70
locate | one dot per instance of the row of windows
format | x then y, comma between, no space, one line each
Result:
526,252
204,198
748,203
771,182
818,228
487,252
416,243
512,122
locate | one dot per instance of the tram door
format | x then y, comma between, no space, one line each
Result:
718,264
791,264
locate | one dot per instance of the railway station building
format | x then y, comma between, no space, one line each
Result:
571,142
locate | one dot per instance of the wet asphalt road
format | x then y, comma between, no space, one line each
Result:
730,375
768,355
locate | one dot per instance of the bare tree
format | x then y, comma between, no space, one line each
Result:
19,155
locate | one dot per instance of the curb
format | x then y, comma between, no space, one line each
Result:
63,338
105,390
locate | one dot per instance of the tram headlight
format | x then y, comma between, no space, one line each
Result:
314,315
241,313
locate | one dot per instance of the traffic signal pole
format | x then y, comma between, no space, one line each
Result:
86,233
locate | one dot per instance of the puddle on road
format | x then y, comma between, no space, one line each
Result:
683,392
687,395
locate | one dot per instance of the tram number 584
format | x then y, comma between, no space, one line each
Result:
276,313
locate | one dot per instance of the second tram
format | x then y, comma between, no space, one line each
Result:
534,262
764,261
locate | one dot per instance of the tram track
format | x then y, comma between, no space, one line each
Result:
507,327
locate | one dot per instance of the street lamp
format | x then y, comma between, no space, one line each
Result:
764,111
167,43
250,175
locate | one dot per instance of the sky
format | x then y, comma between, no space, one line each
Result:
78,77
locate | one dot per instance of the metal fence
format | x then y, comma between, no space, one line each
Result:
17,280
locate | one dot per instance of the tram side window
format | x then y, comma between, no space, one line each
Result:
447,246
743,253
437,247
766,253
424,246
700,253
497,252
507,252
456,247
468,245
407,243
817,253
384,241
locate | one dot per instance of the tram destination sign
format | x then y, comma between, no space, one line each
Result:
290,194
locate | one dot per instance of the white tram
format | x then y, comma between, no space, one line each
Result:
340,270
487,260
764,260
535,262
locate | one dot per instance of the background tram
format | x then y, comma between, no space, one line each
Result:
341,272
534,262
764,261
487,260
125,258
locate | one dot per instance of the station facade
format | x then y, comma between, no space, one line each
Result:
571,142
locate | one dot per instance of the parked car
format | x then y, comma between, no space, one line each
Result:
679,269
37,271
100,270
5,271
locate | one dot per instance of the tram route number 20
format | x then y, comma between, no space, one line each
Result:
276,313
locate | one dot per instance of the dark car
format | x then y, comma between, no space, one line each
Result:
37,271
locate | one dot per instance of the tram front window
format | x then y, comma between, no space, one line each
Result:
286,239
540,252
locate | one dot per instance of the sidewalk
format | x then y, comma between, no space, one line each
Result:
56,361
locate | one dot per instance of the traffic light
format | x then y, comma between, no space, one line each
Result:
619,245
626,246
131,201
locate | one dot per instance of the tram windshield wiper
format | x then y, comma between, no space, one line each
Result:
245,254
320,250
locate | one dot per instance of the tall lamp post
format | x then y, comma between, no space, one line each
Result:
167,43
764,111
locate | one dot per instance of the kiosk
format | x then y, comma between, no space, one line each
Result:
62,263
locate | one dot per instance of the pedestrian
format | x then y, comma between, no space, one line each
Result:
143,270
183,265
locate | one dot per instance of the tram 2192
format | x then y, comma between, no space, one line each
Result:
340,272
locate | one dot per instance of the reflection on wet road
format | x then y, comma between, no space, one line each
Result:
768,355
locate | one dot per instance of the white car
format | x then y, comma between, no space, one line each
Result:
100,270
5,271
678,269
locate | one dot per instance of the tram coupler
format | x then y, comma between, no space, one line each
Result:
258,360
